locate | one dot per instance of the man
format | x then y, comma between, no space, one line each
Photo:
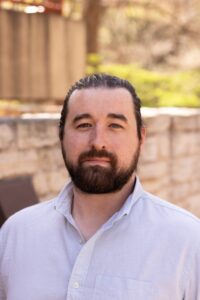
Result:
103,237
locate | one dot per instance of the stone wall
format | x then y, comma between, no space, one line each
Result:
169,165
170,162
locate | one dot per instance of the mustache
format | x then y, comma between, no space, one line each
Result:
97,153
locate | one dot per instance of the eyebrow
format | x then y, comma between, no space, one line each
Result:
110,115
80,117
118,116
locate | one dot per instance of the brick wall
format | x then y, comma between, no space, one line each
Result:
169,165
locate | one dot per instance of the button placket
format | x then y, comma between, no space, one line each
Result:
80,269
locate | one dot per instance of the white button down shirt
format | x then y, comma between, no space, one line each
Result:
149,250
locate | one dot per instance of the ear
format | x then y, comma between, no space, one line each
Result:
143,136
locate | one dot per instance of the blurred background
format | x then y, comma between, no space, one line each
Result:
46,45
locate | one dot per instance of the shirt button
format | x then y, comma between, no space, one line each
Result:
76,285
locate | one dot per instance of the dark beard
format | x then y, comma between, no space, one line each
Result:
97,179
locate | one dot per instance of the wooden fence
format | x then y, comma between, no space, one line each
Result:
40,55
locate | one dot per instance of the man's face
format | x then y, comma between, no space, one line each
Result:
100,145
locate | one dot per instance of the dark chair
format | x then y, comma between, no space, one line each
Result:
15,194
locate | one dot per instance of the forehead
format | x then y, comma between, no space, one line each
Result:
101,101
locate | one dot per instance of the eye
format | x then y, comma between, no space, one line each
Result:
84,125
115,125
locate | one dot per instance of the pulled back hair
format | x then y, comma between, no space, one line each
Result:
104,81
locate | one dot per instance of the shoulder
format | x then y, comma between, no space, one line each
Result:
169,218
167,208
37,219
28,217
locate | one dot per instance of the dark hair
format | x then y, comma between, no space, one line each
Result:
107,81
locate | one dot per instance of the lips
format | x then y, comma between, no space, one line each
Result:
97,160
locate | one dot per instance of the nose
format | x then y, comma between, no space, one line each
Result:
98,138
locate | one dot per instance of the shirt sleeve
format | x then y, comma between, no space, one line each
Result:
193,284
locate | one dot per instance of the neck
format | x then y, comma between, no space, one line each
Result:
91,211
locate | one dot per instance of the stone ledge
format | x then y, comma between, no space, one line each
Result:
170,111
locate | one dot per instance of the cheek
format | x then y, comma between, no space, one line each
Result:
73,146
125,151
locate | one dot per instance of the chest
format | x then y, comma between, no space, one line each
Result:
107,267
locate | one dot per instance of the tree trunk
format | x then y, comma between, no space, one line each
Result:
92,13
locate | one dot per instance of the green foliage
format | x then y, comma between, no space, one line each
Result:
93,60
179,89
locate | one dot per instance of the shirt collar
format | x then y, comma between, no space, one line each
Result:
64,200
132,198
127,206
